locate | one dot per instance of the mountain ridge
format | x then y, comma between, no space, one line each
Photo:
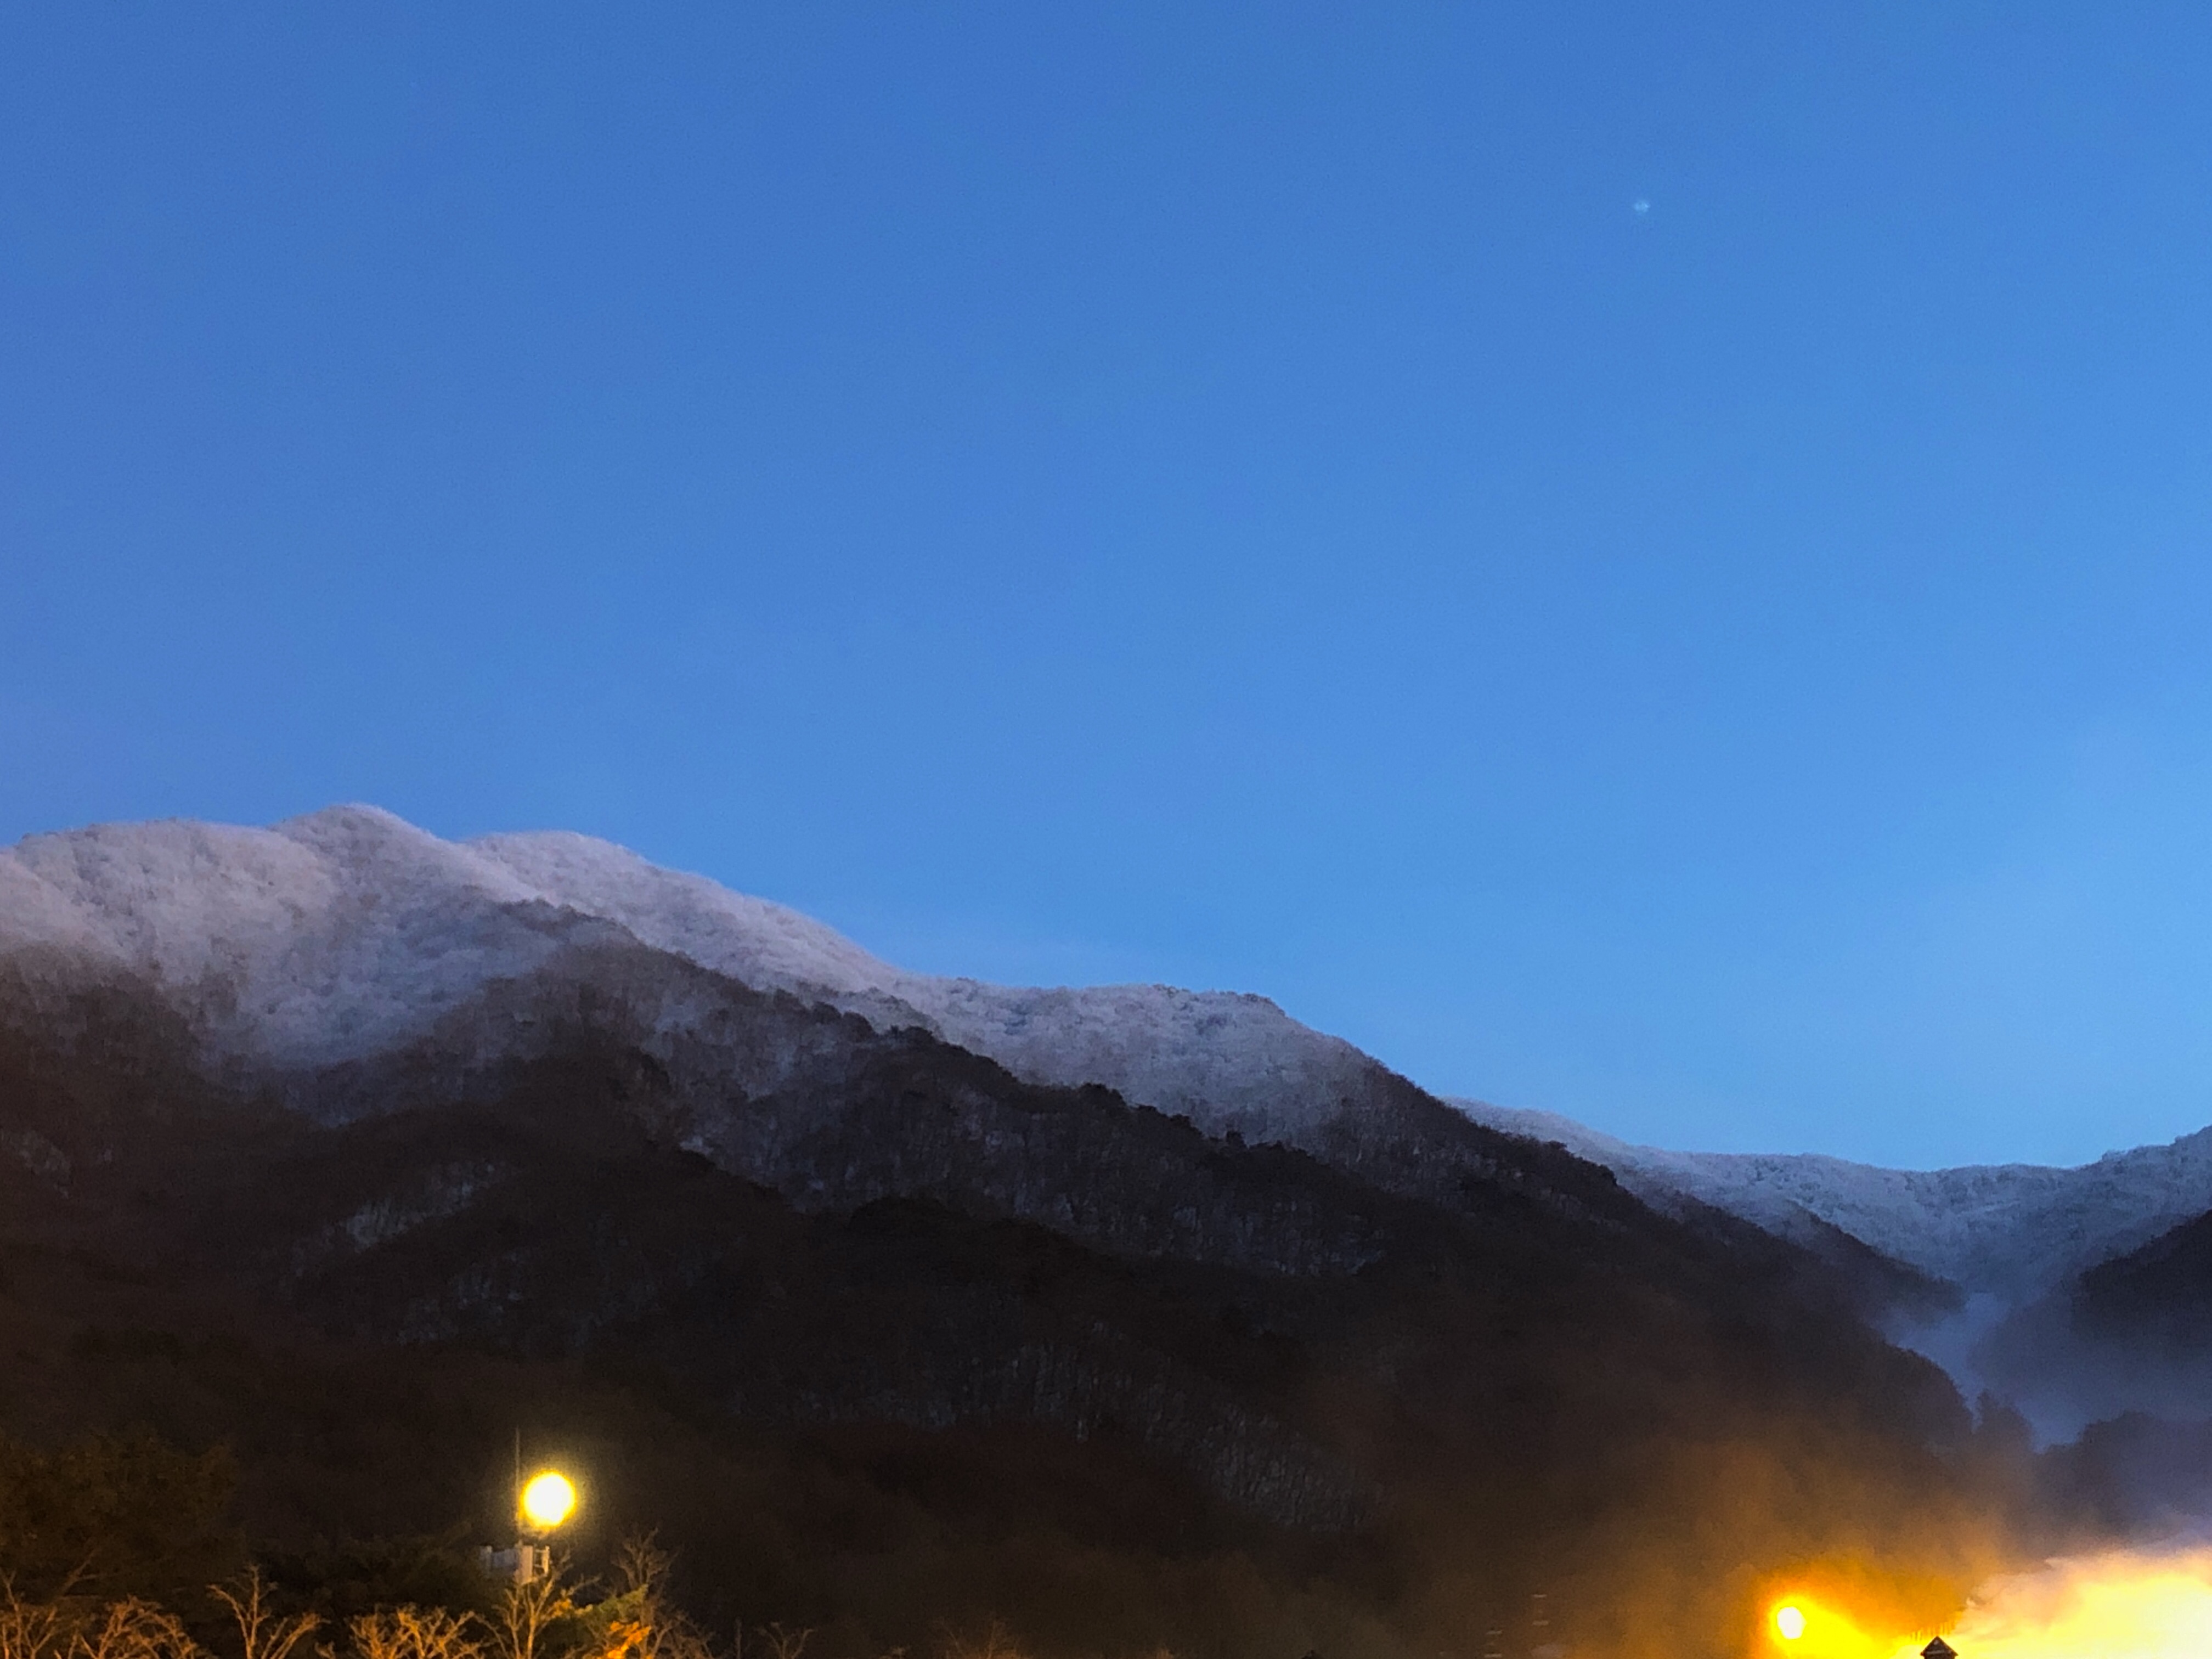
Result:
316,949
329,936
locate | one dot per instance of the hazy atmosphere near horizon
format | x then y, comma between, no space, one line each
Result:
1645,562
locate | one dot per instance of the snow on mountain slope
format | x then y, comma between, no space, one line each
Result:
323,940
1229,1060
331,936
2011,1231
337,935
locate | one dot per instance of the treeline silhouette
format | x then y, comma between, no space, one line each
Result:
97,1542
103,1542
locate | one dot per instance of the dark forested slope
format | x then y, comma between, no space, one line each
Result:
882,1337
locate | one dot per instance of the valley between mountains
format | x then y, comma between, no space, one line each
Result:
1134,1317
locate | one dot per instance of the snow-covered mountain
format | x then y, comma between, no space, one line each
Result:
2009,1230
333,937
336,936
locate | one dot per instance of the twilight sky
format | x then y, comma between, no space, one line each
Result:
1649,561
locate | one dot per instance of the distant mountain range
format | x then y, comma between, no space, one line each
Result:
2032,1253
348,1092
2012,1230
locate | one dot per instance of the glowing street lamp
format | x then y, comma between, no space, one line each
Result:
542,1504
548,1499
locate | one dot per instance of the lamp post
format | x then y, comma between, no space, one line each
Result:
542,1505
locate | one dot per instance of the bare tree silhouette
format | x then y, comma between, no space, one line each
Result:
261,1633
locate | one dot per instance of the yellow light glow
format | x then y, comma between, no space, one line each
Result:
2150,1606
1808,1628
548,1500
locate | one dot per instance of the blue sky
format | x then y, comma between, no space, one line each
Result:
1648,562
